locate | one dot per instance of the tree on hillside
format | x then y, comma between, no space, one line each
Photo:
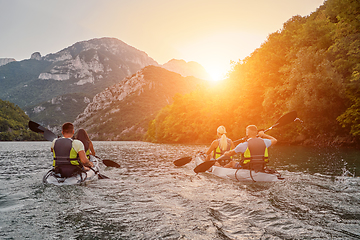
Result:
14,124
311,65
345,55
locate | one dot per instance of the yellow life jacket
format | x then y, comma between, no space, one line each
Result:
219,152
64,153
256,151
87,152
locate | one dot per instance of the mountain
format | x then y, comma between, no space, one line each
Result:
58,86
187,68
4,61
123,111
14,124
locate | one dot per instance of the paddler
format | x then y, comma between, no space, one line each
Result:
88,145
69,154
219,146
255,148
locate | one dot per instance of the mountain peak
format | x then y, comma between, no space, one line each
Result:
4,61
184,68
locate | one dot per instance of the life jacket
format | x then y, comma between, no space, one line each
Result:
64,153
87,152
87,149
218,152
256,153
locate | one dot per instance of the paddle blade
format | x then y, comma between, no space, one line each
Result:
182,161
35,127
287,118
203,167
110,163
101,176
48,135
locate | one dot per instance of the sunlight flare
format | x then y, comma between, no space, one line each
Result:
216,74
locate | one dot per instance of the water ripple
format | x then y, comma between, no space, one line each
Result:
149,198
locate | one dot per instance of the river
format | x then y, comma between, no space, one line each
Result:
150,198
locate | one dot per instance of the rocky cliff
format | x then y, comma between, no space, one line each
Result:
93,60
123,111
57,87
4,61
70,76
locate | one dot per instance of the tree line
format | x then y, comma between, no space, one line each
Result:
311,65
14,124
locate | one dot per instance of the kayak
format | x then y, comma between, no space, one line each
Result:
54,178
242,175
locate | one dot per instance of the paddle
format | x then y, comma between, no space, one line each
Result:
285,119
100,176
182,161
203,167
109,163
50,136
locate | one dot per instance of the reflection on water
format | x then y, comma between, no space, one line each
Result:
149,198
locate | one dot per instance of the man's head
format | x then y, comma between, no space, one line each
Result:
68,129
251,131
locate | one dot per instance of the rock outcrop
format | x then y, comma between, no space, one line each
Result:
36,56
4,61
96,59
123,111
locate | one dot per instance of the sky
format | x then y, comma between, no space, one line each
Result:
210,32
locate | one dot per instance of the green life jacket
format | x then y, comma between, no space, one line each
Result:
64,153
256,152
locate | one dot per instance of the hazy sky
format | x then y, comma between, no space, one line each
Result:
210,32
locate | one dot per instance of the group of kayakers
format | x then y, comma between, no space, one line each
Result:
72,153
253,150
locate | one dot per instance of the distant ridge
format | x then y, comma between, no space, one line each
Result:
4,61
187,68
57,87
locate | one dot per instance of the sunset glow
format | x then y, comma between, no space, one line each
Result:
216,74
212,33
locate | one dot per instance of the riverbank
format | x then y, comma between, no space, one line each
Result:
324,140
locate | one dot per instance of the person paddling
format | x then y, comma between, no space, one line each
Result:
69,154
254,150
219,146
82,136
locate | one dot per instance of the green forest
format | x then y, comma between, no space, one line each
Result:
311,65
14,124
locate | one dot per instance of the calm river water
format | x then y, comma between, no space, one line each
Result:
150,198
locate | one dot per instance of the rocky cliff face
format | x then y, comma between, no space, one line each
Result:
73,74
123,111
77,72
4,61
93,60
36,56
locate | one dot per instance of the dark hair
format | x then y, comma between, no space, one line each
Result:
83,137
68,127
